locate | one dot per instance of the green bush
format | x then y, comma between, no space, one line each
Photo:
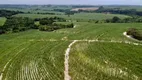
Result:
135,33
45,28
54,27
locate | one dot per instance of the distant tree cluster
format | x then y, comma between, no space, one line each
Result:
47,24
17,24
61,10
16,6
135,33
83,6
115,19
46,21
125,20
70,13
7,13
54,27
46,13
119,11
52,19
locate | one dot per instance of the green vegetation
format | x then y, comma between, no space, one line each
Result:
15,24
36,42
125,20
135,33
7,13
44,51
131,12
77,16
105,61
101,31
47,24
33,59
128,7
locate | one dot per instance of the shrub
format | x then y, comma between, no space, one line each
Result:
46,21
115,19
135,33
45,28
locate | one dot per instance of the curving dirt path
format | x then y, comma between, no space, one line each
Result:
130,37
66,63
66,72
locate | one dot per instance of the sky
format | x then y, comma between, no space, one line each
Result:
91,2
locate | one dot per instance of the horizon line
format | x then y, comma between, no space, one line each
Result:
76,4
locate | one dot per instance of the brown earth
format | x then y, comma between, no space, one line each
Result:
85,9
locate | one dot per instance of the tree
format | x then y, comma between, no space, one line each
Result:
101,8
46,21
45,28
115,19
135,33
16,24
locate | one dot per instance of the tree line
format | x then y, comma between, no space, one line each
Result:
47,24
57,19
130,12
7,13
17,24
125,20
115,19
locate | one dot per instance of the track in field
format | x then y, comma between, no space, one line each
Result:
105,60
32,63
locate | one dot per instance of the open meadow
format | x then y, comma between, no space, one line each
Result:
2,21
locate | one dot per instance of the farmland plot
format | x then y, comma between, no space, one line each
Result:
33,60
105,61
77,16
104,31
38,55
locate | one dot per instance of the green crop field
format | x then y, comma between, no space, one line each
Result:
32,60
105,61
35,55
102,31
35,60
2,21
77,16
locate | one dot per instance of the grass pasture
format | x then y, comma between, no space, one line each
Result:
2,21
